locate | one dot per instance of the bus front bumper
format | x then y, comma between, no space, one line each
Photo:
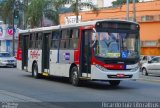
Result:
104,74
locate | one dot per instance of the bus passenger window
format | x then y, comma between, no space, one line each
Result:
39,40
32,41
65,39
74,39
55,39
36,41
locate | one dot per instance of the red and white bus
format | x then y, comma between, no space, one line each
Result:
107,50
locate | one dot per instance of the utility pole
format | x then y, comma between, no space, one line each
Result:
134,10
15,8
13,53
77,11
127,9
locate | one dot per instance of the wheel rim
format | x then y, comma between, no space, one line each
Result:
34,72
74,77
144,72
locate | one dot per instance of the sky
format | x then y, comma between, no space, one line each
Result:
109,2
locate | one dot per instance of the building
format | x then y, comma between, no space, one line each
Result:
147,15
6,38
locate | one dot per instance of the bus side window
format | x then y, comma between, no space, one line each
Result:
32,42
65,39
39,40
74,39
55,40
36,41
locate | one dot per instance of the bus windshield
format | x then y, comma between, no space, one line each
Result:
116,45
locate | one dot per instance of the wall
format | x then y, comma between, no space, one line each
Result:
150,51
150,30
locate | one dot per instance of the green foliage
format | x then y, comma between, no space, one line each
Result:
6,8
121,2
36,10
47,8
76,5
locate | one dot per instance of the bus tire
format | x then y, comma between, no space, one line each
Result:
114,83
35,73
74,76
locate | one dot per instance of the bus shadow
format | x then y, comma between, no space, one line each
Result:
154,75
100,85
51,78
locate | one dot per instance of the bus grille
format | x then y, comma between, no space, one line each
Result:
115,76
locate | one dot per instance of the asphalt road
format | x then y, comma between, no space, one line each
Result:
19,86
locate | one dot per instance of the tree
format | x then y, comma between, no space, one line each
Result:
43,8
6,8
57,8
121,2
51,10
34,12
76,7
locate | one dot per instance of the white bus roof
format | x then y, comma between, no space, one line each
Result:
39,29
69,25
92,23
79,24
44,28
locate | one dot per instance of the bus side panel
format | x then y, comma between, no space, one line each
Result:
39,61
66,58
54,65
34,55
19,64
30,60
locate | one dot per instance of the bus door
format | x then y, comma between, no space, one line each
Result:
25,45
85,52
46,52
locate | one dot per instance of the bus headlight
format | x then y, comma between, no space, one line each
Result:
101,68
134,69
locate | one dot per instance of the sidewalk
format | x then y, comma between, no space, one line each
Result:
6,96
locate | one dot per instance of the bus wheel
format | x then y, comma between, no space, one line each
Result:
74,77
35,71
114,83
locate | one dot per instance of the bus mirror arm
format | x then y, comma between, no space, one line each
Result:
94,30
92,44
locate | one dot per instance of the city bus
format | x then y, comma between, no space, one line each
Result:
102,50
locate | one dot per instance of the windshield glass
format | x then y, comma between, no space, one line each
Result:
116,45
5,55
